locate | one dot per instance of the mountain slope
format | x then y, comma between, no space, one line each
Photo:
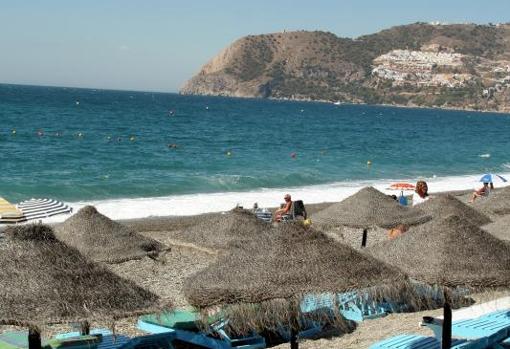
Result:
458,66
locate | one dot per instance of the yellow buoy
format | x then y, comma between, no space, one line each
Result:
369,163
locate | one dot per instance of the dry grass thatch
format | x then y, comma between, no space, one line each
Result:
447,205
221,231
369,207
500,228
449,252
45,281
104,240
286,265
353,237
497,204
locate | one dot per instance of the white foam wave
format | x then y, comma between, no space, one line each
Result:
183,205
485,155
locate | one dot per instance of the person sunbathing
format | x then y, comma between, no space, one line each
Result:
483,191
397,231
284,210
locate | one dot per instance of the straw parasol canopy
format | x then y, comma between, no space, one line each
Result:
441,206
221,231
44,281
369,207
277,271
449,252
104,240
496,204
500,228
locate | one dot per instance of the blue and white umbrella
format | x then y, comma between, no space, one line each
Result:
42,208
492,178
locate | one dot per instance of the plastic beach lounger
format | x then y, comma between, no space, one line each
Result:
407,341
483,327
352,305
493,326
110,341
19,340
183,325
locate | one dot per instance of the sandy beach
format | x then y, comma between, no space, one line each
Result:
165,275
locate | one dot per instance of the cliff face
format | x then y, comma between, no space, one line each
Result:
457,66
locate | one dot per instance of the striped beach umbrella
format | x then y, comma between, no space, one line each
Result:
42,208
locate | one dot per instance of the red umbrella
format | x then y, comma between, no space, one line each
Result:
402,186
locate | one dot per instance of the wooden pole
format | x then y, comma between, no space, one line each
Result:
294,324
84,328
34,338
365,237
446,340
293,338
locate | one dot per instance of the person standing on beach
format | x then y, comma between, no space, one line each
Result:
421,193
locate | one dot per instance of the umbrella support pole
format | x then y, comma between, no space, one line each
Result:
446,340
293,338
84,328
34,338
364,238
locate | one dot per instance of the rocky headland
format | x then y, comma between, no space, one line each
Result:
464,66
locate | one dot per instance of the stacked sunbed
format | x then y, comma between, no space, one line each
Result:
9,214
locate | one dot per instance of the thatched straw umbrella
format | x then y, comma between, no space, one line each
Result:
367,208
275,273
222,231
497,204
449,252
104,240
45,282
500,228
447,205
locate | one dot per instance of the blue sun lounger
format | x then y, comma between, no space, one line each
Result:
19,340
409,341
98,339
181,324
495,328
351,305
110,341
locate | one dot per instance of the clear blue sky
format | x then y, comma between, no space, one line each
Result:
157,45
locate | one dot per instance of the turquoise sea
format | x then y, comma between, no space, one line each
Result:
85,144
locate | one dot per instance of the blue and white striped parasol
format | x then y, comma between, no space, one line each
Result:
42,208
492,178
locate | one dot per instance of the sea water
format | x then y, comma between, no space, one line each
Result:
137,154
